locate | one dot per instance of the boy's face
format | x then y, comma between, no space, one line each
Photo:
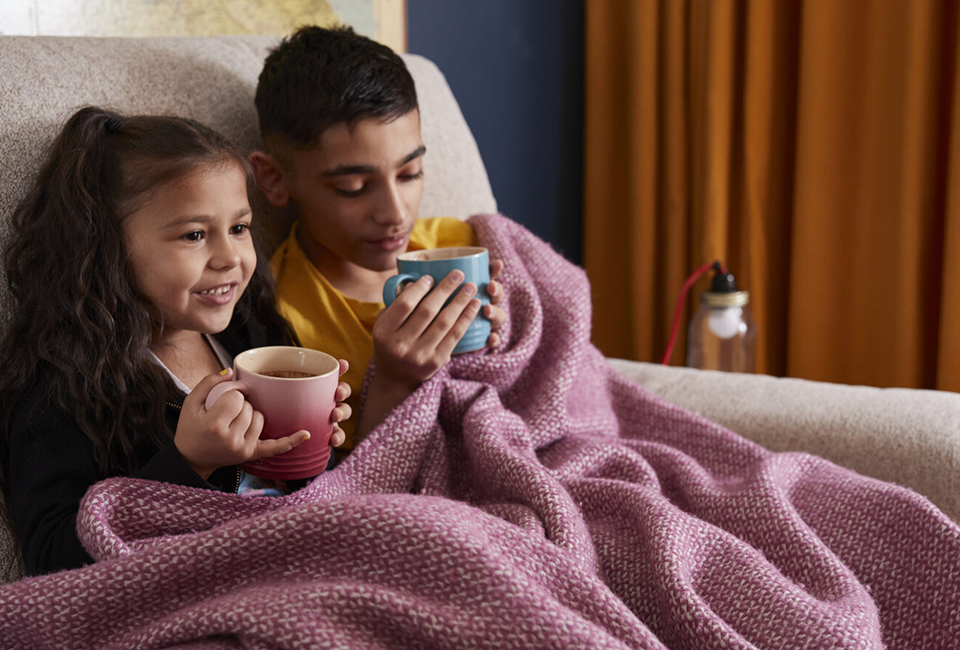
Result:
357,193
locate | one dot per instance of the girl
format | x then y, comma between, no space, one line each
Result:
136,280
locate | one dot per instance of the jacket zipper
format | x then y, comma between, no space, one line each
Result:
236,482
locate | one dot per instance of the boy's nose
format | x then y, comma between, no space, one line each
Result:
392,209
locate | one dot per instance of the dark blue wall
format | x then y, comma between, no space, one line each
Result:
516,68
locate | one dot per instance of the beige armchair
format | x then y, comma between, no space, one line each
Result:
910,437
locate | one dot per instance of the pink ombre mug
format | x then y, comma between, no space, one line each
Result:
294,389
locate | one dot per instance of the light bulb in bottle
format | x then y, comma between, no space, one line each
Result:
726,323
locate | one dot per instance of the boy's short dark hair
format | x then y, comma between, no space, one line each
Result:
319,77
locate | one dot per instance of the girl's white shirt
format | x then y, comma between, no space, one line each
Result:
248,483
226,361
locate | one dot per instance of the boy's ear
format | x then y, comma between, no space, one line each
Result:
270,178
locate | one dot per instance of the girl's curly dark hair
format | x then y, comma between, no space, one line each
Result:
77,311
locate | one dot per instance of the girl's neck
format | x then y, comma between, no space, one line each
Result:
188,356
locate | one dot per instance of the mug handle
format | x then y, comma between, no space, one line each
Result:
393,283
220,389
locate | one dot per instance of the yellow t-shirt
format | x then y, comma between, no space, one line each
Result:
327,320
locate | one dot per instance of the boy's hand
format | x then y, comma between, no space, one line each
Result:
415,336
493,311
227,434
343,410
412,339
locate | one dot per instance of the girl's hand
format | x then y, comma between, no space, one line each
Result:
343,410
493,311
415,336
227,434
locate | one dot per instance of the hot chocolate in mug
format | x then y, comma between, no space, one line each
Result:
294,388
474,261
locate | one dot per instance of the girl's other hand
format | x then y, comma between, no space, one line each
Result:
227,434
343,411
493,311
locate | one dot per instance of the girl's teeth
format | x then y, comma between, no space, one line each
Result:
215,292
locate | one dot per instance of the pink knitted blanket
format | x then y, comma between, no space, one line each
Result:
526,498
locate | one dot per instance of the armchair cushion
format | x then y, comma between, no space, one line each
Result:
904,436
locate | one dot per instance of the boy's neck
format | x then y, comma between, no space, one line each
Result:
352,280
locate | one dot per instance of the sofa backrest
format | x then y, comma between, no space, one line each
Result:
43,80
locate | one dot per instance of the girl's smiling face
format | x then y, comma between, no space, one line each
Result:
190,249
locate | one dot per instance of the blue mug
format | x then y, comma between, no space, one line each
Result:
437,263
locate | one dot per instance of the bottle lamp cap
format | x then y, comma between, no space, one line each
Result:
723,290
725,299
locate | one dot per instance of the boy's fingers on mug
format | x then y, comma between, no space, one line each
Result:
452,314
423,282
496,267
495,291
496,315
406,303
272,447
451,281
431,307
459,328
493,341
445,288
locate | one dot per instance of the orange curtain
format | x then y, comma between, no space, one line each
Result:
812,146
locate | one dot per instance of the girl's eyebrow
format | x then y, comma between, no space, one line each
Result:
347,170
201,219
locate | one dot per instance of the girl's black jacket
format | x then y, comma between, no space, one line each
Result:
52,465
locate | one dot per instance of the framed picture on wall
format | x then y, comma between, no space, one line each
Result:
383,20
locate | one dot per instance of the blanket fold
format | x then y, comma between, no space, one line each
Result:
525,497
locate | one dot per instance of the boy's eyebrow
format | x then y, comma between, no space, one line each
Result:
347,170
413,155
201,218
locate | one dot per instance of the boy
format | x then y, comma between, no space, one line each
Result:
341,130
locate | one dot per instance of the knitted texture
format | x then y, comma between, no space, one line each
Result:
525,498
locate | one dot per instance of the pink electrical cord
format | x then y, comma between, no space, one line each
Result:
679,310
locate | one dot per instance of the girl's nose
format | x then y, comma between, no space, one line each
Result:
224,254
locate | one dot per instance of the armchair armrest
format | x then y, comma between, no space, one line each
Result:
905,436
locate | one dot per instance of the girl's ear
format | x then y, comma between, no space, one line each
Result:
270,178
